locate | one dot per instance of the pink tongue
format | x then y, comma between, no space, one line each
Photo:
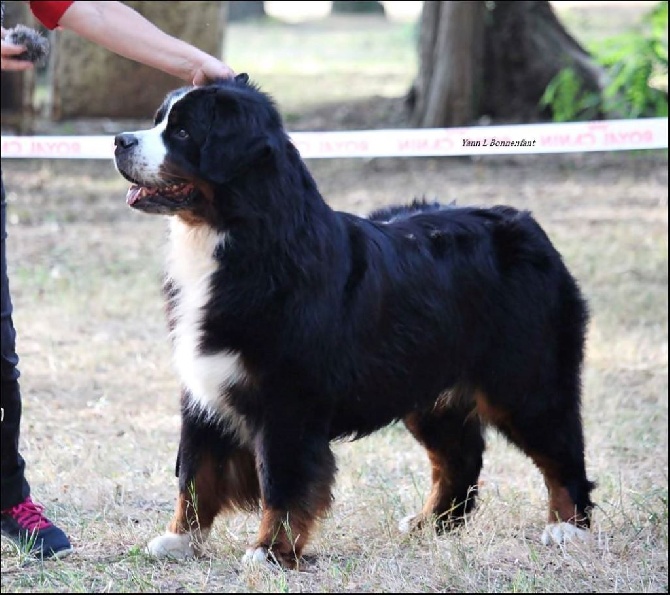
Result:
133,194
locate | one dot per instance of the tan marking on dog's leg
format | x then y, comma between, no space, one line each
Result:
490,413
282,535
438,498
562,509
281,538
441,500
439,485
238,486
564,520
561,506
194,515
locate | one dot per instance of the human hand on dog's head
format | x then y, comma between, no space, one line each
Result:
10,52
210,69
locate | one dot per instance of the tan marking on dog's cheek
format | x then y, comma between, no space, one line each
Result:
191,219
205,207
206,189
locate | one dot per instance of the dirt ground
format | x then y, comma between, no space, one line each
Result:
101,415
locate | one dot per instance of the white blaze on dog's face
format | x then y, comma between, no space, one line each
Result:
150,152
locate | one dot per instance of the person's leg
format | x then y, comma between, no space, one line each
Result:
15,488
22,519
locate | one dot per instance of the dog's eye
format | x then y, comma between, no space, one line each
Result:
181,134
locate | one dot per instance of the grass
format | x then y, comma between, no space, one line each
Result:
101,422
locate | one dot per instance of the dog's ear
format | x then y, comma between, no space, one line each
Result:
243,77
231,146
225,157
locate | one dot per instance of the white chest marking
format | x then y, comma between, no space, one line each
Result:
207,377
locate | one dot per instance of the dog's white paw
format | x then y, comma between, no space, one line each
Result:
257,557
409,523
172,545
559,533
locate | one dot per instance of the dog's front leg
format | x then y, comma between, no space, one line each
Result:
215,473
195,508
296,471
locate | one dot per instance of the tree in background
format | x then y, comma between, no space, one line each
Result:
89,81
243,10
17,87
451,43
493,59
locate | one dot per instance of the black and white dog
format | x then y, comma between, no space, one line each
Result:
294,325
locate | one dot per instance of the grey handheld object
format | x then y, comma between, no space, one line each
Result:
37,46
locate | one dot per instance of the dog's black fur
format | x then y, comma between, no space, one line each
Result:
447,318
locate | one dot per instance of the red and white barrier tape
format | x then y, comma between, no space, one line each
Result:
573,137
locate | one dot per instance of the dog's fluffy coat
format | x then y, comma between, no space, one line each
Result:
294,325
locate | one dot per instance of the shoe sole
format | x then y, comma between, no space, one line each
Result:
53,556
36,556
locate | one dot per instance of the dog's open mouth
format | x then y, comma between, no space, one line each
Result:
172,193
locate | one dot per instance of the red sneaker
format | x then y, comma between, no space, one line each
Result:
26,526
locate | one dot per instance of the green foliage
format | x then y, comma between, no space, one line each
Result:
567,100
636,63
633,60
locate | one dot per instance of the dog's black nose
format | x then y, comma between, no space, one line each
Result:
125,140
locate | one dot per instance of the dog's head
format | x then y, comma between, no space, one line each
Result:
202,138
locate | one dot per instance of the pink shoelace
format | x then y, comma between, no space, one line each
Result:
29,515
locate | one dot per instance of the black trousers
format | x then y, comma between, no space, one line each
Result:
13,483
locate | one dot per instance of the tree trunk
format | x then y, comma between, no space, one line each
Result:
16,88
450,53
243,10
90,81
525,48
496,61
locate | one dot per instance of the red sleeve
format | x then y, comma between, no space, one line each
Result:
49,13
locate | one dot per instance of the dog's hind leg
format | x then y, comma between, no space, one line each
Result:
453,437
550,432
215,474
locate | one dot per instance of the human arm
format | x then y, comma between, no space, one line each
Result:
122,30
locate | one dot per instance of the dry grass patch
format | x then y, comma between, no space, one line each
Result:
101,410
